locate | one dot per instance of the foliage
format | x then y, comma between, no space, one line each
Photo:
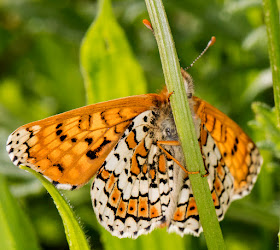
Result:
73,231
39,76
106,58
11,228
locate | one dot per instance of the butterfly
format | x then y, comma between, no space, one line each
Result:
132,148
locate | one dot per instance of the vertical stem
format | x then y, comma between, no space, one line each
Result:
184,124
271,13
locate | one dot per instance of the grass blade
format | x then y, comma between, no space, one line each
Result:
16,231
74,233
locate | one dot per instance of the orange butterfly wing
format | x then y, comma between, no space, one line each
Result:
237,149
69,148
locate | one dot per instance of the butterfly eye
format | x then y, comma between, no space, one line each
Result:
168,131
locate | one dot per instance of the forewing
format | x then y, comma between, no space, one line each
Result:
186,218
69,148
132,189
239,152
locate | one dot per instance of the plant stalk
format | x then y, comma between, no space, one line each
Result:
184,124
271,14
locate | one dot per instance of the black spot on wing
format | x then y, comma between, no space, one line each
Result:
89,119
88,140
58,132
93,154
63,137
145,128
58,125
60,168
117,156
130,126
55,183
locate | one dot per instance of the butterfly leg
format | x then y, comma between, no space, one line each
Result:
207,172
174,143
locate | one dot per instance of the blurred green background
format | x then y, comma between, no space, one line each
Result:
40,76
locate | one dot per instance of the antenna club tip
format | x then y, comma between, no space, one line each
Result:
212,41
148,24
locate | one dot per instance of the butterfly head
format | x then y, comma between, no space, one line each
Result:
168,129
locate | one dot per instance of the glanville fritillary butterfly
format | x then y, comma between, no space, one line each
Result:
132,147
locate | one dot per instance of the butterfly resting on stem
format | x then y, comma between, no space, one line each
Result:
132,148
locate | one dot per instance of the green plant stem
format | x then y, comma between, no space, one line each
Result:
271,14
184,124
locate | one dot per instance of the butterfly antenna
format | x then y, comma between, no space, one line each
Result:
210,43
148,25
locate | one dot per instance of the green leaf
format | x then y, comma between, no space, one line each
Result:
74,233
108,65
16,231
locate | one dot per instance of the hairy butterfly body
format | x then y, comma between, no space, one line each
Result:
137,186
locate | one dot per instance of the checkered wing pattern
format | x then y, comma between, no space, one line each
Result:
238,151
131,192
186,218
